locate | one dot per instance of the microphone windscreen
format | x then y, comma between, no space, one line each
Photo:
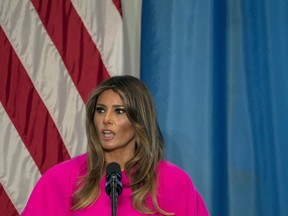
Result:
113,174
113,167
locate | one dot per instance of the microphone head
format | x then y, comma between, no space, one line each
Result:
111,168
113,178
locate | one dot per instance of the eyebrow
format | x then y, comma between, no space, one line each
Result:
103,105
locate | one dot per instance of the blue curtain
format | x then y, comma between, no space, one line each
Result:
218,72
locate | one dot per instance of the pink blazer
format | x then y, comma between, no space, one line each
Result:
52,194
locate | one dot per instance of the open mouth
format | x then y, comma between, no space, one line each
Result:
107,134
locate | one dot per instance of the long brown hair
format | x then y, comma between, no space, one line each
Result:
141,112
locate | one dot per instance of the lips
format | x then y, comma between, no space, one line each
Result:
107,134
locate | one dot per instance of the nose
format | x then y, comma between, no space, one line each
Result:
108,119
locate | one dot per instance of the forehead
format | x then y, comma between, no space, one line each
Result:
109,97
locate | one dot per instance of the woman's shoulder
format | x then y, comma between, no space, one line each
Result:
54,189
167,169
73,167
173,177
176,191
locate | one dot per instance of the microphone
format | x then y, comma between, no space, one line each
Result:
113,184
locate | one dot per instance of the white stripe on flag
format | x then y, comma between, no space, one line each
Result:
15,157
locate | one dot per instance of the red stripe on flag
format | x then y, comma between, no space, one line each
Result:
73,42
27,111
117,4
6,206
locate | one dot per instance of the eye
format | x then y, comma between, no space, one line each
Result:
120,110
100,110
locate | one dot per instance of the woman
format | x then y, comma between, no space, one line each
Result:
122,127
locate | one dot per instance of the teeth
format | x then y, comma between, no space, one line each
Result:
107,134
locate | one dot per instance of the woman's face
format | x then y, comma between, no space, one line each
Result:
116,132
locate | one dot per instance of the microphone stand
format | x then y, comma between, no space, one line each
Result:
114,195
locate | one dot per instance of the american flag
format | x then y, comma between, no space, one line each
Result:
52,54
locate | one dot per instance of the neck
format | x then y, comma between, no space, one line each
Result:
118,158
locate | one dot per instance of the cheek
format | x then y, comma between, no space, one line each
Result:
129,129
126,127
